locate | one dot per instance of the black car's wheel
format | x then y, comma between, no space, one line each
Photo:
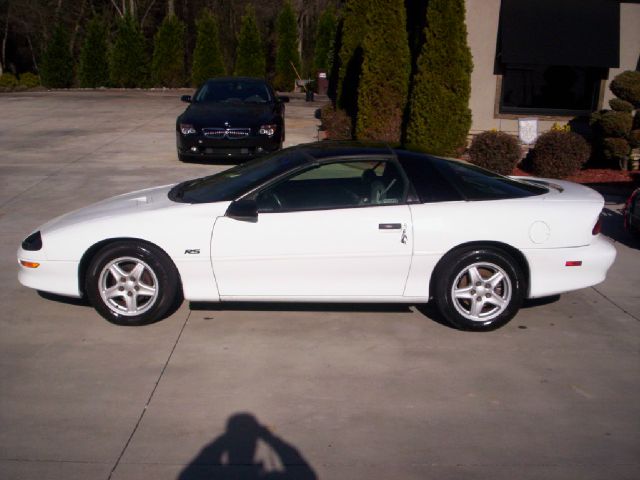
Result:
479,289
131,283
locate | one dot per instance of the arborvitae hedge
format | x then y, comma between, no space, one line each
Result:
56,69
250,58
350,57
287,49
128,61
324,40
386,65
440,118
93,70
207,58
167,65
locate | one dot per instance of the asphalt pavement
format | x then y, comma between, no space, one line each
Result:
303,391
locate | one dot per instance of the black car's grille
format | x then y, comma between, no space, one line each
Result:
230,133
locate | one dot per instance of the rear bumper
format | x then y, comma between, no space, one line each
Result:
549,274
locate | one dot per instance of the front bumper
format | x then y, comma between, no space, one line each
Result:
201,147
60,278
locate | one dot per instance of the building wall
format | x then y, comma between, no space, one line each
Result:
482,27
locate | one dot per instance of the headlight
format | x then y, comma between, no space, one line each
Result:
268,130
33,242
187,129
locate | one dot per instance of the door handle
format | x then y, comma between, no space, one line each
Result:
389,226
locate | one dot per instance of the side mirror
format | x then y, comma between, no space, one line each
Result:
283,99
243,210
186,98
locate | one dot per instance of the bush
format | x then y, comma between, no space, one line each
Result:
29,80
614,124
167,64
620,105
128,62
324,40
634,138
250,59
616,148
559,154
439,116
8,81
207,58
336,123
497,151
56,69
287,49
93,70
386,65
627,87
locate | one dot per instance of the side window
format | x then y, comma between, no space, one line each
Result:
427,181
337,185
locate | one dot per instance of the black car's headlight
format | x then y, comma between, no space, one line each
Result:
33,242
187,129
268,130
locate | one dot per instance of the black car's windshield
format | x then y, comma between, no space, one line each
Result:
233,91
230,184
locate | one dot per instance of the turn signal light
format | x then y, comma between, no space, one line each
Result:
573,263
24,263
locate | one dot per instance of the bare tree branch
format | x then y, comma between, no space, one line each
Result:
144,17
117,8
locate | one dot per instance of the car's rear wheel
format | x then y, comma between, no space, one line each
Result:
132,283
479,289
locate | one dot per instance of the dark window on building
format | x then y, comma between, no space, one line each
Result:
550,90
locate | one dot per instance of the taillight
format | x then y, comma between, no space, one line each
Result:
597,228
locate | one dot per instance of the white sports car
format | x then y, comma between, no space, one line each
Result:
328,222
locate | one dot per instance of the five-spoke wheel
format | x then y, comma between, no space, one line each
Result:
132,283
479,288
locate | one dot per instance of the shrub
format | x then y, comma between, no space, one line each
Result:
497,151
439,115
336,123
56,68
8,81
93,69
167,65
250,59
616,148
207,58
29,80
128,61
324,40
614,124
386,64
626,86
620,105
287,49
634,138
559,154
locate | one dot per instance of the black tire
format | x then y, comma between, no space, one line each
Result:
145,289
489,305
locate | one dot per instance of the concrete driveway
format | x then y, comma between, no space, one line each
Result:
327,392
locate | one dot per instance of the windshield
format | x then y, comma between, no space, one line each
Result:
233,91
231,184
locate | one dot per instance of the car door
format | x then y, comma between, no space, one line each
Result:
338,230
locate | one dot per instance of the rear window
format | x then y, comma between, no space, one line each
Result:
475,183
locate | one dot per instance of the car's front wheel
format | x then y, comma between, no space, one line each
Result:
479,289
132,283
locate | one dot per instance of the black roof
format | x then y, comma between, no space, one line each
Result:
330,149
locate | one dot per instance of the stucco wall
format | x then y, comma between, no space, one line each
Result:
482,27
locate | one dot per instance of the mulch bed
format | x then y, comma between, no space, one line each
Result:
602,179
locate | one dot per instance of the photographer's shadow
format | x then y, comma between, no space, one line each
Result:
248,451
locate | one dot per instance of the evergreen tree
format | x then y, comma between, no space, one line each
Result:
207,58
167,65
93,70
128,62
324,40
287,49
354,28
386,65
439,118
250,58
56,69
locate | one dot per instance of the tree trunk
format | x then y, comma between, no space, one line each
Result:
3,52
171,7
74,35
33,53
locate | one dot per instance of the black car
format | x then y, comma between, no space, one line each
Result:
631,213
233,117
